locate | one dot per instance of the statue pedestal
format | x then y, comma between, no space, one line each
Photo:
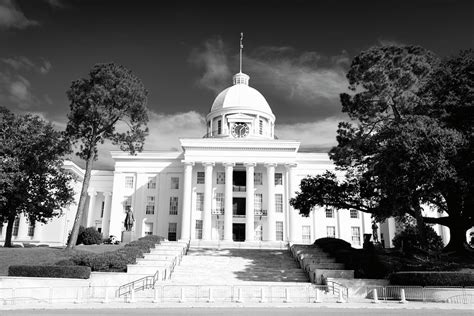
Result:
128,236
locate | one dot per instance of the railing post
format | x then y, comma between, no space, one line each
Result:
287,296
182,300
376,297
210,298
402,296
155,295
340,299
262,296
317,298
132,296
239,297
106,296
50,295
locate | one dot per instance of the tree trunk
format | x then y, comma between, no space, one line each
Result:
9,232
82,203
457,240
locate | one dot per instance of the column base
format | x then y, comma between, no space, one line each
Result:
128,236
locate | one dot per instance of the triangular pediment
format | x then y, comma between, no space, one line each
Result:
240,117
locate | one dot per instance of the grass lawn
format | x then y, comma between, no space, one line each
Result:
44,255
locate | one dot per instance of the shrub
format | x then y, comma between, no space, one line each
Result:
153,238
144,245
74,272
331,244
424,278
410,239
89,236
65,262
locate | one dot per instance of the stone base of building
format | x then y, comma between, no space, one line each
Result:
128,236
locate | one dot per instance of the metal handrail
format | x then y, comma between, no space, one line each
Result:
337,288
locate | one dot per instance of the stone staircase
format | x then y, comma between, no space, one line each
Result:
316,263
236,266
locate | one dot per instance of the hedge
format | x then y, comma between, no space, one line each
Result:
74,272
428,278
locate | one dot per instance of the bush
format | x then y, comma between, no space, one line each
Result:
74,272
410,239
65,262
328,244
89,236
153,238
423,278
144,245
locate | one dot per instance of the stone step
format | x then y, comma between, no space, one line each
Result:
153,262
307,261
163,251
158,257
328,266
315,276
145,270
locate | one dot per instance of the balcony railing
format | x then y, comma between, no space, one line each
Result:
217,211
260,212
238,216
239,188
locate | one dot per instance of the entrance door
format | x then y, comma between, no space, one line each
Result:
238,232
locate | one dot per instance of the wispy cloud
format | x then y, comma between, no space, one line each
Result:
23,63
12,17
213,60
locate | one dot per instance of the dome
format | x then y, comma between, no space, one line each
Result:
240,95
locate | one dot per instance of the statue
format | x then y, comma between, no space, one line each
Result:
129,219
375,235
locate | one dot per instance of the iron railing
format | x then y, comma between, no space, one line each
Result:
464,295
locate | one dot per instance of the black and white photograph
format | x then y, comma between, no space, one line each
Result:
248,157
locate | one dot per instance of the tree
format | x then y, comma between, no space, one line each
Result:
108,105
32,180
409,149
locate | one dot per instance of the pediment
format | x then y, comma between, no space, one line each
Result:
239,117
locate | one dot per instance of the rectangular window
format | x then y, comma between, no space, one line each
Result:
102,209
127,203
258,199
329,213
148,228
331,231
200,177
306,234
279,203
173,205
16,224
1,229
355,235
220,201
279,231
128,182
354,214
198,233
31,228
174,183
151,183
258,231
260,127
257,178
221,178
199,202
150,205
278,178
219,127
172,227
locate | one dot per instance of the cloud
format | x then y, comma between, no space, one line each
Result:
318,134
213,60
19,63
12,17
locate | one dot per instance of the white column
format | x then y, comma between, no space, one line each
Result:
90,212
292,212
271,201
229,169
206,214
22,227
106,217
249,207
186,213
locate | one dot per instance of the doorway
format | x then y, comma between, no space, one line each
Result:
238,232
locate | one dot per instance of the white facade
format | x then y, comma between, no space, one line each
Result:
233,184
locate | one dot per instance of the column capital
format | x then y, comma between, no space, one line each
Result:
290,165
188,163
208,163
107,193
250,164
92,192
270,164
228,164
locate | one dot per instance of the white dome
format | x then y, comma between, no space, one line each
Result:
240,95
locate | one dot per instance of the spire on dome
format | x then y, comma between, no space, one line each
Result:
241,78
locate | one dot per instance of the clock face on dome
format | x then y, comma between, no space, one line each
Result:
240,130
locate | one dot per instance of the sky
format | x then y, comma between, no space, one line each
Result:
296,54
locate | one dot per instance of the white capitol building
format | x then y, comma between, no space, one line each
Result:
232,185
